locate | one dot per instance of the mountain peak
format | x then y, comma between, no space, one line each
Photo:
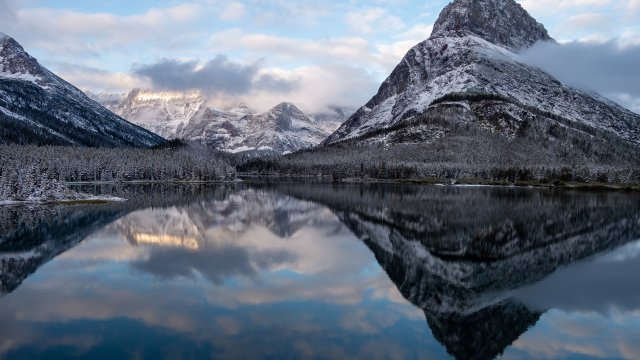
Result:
41,108
288,109
16,63
501,22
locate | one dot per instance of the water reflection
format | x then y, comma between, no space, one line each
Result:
270,270
465,256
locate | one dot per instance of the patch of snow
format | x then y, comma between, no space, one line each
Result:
240,149
20,76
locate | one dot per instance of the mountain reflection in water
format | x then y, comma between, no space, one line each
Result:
323,271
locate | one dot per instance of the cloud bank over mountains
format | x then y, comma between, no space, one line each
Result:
606,68
216,76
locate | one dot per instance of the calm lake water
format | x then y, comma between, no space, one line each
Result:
305,270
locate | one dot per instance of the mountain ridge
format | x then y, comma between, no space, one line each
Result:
282,129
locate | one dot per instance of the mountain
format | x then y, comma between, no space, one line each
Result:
38,107
463,105
282,129
470,61
164,113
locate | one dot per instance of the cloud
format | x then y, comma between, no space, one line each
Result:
217,76
355,51
606,68
553,5
217,265
373,20
288,48
592,287
233,11
318,87
99,80
588,21
301,12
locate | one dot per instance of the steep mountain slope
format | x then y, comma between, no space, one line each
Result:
283,129
38,107
470,62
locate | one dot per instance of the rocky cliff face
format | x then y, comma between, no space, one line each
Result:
38,107
500,22
471,61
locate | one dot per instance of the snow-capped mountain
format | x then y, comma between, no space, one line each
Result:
191,227
164,113
38,107
282,129
471,62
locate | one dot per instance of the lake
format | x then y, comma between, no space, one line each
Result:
311,270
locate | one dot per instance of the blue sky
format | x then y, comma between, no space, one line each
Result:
335,52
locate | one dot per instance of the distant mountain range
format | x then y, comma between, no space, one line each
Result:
185,115
38,107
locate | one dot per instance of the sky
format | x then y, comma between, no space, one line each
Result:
313,53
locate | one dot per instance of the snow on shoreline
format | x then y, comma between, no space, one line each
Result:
83,198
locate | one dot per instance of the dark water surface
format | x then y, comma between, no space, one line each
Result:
323,271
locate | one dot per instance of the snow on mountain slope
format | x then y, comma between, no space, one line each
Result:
473,50
285,128
164,113
36,106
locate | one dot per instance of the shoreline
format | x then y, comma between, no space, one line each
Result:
178,182
248,178
455,183
69,201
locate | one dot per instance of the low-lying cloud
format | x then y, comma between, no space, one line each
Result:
606,68
217,76
227,83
